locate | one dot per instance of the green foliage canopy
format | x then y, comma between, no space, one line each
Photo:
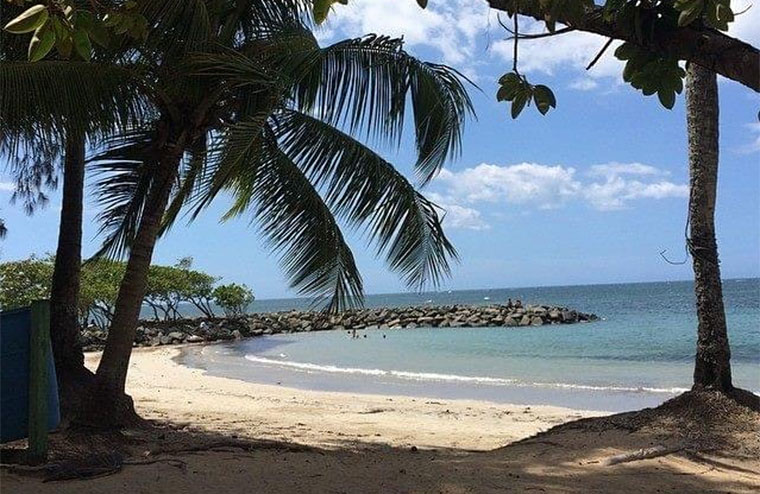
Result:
233,298
24,281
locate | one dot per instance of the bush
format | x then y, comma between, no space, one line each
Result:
22,282
233,299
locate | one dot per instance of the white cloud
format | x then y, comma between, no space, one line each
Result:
7,187
615,169
456,216
754,145
451,27
616,192
584,84
745,27
525,183
609,186
556,54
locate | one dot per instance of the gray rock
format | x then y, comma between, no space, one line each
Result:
536,321
525,321
176,335
194,338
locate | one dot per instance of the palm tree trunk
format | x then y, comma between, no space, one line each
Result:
64,292
713,367
109,405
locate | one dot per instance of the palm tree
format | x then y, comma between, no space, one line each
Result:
712,368
247,103
47,111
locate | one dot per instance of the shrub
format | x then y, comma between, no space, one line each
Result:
233,298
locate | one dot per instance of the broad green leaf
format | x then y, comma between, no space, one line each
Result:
99,33
320,9
82,44
667,98
544,98
41,44
509,78
422,3
519,103
688,16
64,46
29,20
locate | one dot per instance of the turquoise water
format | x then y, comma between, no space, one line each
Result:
639,354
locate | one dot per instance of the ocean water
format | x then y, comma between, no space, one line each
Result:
640,354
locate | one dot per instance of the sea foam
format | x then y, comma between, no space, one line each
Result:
452,378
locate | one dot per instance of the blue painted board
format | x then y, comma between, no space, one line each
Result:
15,327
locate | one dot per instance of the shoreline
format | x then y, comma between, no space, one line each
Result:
166,390
228,360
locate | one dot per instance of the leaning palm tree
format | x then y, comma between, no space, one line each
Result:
248,104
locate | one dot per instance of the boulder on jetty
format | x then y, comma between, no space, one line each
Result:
156,333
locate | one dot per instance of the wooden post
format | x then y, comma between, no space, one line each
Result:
39,346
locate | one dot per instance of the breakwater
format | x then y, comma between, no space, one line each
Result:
166,332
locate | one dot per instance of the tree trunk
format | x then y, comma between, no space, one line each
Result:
109,406
713,367
64,292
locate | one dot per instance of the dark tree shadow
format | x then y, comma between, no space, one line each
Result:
719,438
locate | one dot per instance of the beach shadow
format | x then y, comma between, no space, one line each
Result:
570,458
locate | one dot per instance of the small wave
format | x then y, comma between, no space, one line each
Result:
432,376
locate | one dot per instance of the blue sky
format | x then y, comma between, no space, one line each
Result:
590,193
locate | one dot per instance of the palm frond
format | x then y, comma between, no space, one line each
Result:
298,225
363,83
126,170
43,99
363,188
189,181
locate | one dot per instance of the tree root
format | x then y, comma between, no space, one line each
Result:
643,454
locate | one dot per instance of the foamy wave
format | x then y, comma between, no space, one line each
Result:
432,376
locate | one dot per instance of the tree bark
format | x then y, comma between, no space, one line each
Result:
64,293
729,57
713,367
109,406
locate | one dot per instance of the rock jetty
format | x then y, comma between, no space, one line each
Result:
155,333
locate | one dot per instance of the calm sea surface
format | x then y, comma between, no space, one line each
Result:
640,354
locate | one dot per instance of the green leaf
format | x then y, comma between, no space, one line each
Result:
112,19
689,15
29,20
667,98
320,9
422,3
509,78
99,33
64,45
82,44
519,103
125,24
544,98
41,44
503,94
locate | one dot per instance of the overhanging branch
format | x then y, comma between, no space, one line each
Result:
727,56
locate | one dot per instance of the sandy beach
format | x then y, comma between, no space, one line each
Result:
212,434
165,390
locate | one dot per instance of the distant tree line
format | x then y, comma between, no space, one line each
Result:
30,279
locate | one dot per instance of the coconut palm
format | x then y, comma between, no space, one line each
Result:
248,104
47,111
